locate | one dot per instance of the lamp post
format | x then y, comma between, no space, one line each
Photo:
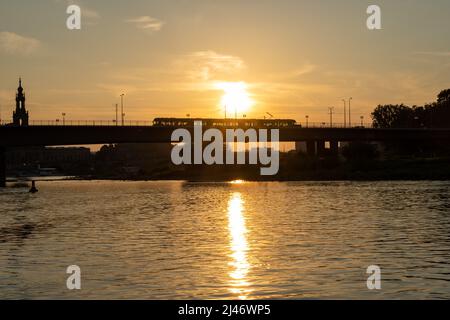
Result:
345,113
64,118
307,121
121,108
362,121
331,110
349,112
117,114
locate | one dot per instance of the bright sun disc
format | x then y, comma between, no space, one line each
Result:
236,97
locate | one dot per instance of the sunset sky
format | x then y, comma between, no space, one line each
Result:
170,57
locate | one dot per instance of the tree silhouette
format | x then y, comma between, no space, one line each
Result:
434,115
391,116
443,96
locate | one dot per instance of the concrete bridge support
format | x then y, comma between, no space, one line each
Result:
321,148
334,148
311,148
2,167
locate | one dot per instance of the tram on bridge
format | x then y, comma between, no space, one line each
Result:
217,123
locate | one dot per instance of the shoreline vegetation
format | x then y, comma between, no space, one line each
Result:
323,170
297,168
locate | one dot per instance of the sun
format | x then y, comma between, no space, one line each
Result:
236,98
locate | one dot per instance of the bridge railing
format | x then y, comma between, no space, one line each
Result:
60,122
335,125
85,123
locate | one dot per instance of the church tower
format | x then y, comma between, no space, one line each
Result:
20,115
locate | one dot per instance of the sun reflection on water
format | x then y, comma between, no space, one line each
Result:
239,247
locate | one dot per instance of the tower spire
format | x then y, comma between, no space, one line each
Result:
20,116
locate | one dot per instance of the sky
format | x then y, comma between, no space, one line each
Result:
171,57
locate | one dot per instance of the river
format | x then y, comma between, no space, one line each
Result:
240,240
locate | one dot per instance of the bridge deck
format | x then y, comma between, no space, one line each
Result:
85,135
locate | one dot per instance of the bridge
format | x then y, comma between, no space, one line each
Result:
315,137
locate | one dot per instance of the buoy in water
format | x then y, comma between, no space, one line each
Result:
33,188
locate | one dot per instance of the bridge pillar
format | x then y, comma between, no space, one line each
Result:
311,148
2,167
320,147
334,147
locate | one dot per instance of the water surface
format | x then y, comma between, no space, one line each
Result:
177,240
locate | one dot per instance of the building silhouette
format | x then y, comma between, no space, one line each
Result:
20,115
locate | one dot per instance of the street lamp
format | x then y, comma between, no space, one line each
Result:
349,112
362,121
117,114
331,110
307,121
64,118
121,107
345,113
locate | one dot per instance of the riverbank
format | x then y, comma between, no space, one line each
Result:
326,169
291,169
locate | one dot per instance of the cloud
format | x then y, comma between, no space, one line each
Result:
85,11
191,72
209,65
89,13
89,16
146,23
13,43
305,69
434,53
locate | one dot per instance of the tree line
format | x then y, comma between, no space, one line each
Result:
432,115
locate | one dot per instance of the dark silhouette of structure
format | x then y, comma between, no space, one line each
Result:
33,188
20,134
315,138
2,167
20,115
